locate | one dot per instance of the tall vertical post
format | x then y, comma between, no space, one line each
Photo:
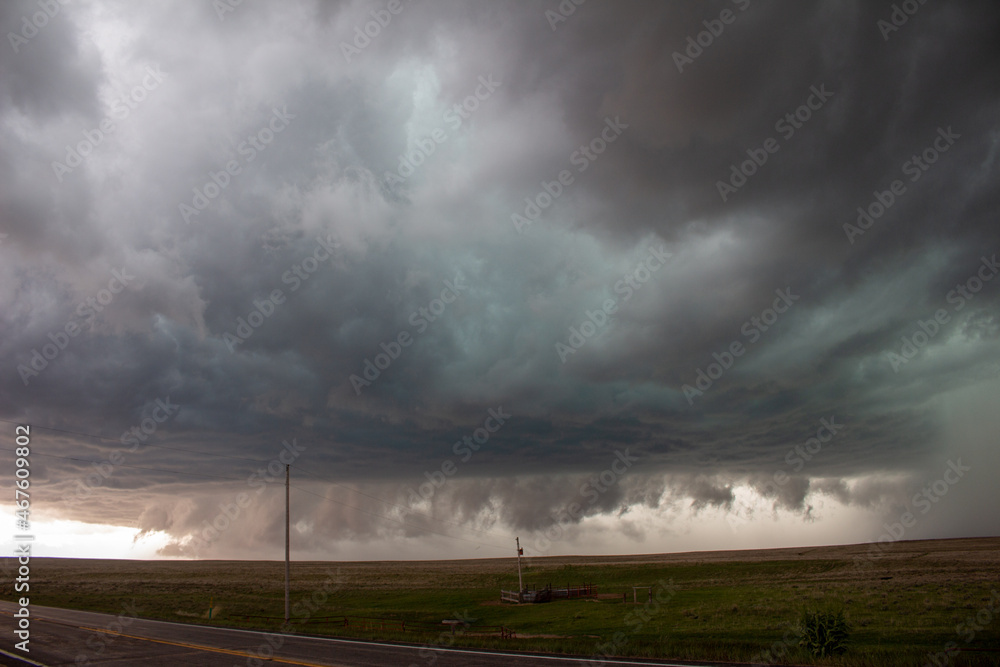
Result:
520,584
288,596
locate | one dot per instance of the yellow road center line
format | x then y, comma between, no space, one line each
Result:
242,654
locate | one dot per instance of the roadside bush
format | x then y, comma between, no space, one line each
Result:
825,633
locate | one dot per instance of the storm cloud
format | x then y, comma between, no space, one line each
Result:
472,258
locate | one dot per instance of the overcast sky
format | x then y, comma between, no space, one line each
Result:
589,275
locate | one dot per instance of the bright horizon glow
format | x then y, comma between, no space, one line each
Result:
62,538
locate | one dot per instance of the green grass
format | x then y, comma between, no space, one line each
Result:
726,608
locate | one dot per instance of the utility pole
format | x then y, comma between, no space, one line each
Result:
520,584
288,596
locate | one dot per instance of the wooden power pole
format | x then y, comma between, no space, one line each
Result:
288,597
520,584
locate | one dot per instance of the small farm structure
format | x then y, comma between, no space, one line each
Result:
547,594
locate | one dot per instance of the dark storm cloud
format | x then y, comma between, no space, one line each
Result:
267,160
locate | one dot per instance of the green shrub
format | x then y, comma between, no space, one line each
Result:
825,633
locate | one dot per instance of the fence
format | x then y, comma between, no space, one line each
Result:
397,625
570,592
509,596
548,593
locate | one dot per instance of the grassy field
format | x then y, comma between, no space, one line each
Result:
734,606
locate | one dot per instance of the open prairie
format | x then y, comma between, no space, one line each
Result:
904,603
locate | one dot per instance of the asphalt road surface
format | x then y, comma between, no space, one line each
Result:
62,637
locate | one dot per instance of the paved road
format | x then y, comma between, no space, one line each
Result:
65,637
